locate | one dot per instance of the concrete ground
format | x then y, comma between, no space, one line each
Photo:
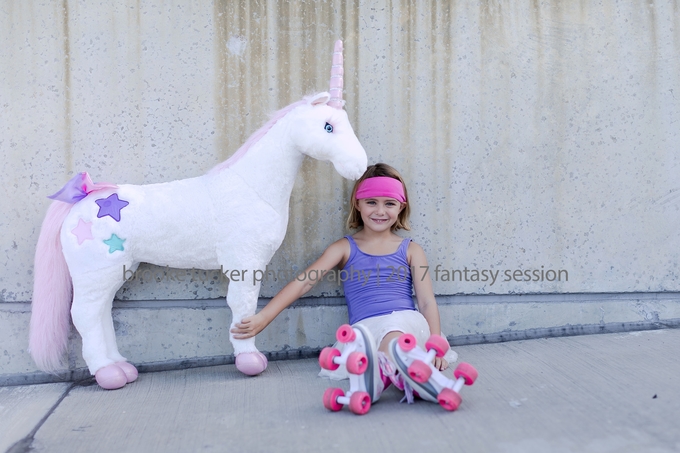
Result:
595,393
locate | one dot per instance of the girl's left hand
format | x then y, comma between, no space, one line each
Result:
440,363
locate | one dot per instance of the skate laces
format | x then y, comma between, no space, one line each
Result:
408,393
389,370
386,365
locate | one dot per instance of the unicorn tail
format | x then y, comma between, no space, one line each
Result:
52,294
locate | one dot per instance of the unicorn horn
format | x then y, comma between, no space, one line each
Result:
336,77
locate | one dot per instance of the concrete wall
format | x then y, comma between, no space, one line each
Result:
534,136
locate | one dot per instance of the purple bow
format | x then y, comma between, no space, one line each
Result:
78,187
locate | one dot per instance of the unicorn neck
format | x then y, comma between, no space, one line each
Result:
271,165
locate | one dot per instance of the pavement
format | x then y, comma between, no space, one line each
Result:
595,393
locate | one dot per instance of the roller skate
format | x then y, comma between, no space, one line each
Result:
415,366
360,356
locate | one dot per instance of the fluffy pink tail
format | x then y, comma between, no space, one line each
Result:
52,294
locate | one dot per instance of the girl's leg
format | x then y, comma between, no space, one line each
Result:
384,344
388,372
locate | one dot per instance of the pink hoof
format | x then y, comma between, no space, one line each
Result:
130,371
251,363
110,377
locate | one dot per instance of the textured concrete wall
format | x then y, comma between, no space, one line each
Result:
533,135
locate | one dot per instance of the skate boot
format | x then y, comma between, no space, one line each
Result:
415,366
360,356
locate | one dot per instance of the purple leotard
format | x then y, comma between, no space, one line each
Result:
377,284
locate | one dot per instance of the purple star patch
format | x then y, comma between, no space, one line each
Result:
111,206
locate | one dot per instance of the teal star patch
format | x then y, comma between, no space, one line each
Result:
114,243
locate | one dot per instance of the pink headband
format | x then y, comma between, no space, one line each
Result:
381,186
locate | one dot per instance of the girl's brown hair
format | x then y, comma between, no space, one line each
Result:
354,219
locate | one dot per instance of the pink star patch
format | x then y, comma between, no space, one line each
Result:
83,231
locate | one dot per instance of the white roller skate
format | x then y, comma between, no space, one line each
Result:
415,366
360,356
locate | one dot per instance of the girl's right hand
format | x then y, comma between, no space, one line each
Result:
249,327
337,253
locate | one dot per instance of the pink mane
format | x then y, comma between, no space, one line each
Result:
256,136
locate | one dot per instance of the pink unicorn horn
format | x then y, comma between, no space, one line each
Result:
336,77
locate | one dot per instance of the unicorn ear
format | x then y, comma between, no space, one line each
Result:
320,98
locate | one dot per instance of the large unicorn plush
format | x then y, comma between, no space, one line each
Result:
235,216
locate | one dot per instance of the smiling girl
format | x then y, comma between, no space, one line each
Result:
380,302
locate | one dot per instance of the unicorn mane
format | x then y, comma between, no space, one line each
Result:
256,136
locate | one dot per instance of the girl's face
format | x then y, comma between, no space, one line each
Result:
379,213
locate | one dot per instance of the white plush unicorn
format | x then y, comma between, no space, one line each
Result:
235,216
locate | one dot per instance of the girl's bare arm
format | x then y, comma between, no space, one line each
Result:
335,254
427,304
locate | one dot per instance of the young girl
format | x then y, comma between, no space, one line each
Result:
384,270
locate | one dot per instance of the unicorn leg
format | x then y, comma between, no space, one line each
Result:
242,299
110,340
91,313
112,353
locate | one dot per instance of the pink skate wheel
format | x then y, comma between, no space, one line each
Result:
407,342
326,358
449,400
345,334
359,403
419,371
330,399
357,363
439,344
466,371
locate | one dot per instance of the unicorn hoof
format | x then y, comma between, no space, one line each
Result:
251,363
111,377
130,371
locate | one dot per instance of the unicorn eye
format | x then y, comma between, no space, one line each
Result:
328,128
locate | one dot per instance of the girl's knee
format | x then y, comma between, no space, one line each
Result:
385,342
